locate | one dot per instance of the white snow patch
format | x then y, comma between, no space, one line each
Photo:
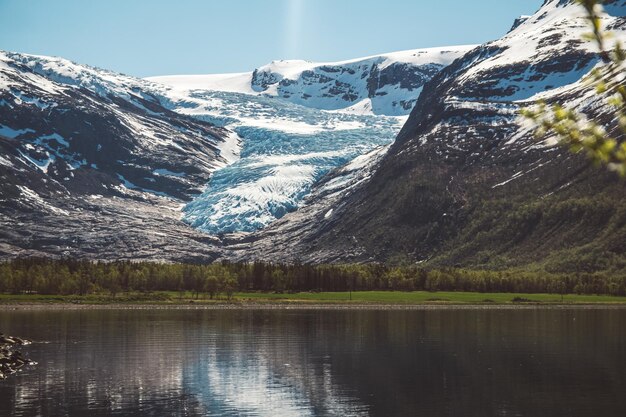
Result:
5,162
55,136
35,198
231,83
40,164
515,176
13,133
130,186
230,148
167,173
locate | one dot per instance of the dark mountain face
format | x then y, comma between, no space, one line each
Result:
91,163
466,183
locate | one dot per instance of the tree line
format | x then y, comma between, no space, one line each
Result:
81,277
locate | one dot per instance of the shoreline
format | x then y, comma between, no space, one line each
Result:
305,306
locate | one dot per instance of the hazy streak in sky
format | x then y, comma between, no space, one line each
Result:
295,9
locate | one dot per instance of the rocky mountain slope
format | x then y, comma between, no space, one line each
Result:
466,183
383,85
92,163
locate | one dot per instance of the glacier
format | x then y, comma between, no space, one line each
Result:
274,143
293,123
285,149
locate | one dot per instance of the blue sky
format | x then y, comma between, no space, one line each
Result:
160,37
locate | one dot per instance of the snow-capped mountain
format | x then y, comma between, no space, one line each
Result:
85,146
306,152
85,149
289,138
466,182
80,141
382,85
63,117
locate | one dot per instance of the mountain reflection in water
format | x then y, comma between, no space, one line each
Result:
319,363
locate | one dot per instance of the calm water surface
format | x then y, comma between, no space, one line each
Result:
319,363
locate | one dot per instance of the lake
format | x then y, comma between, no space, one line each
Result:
306,362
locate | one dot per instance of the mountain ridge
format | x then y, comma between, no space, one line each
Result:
385,84
465,183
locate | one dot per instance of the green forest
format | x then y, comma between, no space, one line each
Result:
81,277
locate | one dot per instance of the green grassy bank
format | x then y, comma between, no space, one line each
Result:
356,297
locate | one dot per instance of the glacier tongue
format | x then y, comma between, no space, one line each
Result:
295,121
286,148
